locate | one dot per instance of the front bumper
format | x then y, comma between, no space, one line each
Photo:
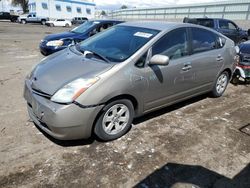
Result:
63,122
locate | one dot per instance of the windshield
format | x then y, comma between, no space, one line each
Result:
84,27
118,43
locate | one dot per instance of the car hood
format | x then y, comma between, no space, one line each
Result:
61,36
62,67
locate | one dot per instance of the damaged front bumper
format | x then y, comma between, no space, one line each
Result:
61,121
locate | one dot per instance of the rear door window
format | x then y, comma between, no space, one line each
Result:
203,40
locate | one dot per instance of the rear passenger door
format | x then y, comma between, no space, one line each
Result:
207,57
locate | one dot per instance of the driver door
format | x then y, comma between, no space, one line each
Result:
167,84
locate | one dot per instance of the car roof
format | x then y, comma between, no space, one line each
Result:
101,21
156,25
209,19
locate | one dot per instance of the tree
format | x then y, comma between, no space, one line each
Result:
103,13
124,7
23,3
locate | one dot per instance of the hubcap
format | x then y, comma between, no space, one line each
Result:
221,83
115,119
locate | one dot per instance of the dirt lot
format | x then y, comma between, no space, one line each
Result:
199,143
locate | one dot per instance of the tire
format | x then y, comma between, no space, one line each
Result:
247,80
23,21
118,113
220,84
66,25
235,80
52,25
43,22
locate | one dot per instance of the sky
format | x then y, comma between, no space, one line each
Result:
116,4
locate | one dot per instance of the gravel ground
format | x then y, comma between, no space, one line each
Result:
202,142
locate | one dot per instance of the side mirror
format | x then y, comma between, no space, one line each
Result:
159,60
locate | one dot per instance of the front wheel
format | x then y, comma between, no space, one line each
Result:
66,25
115,120
23,21
220,84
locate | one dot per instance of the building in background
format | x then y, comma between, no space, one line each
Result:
6,6
235,10
66,9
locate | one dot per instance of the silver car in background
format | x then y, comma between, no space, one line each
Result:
100,85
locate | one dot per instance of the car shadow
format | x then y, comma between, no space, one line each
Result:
169,109
181,175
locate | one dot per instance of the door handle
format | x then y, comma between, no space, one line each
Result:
187,66
219,58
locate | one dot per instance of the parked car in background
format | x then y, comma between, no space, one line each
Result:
224,26
59,22
56,42
242,70
8,16
32,18
98,86
79,20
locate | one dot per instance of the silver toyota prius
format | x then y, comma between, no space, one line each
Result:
100,85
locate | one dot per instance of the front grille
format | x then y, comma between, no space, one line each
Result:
245,58
40,93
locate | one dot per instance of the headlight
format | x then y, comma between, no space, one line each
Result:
73,90
55,43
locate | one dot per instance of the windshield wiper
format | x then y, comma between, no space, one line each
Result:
86,52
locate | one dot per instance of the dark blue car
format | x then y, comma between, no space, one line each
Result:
55,42
224,26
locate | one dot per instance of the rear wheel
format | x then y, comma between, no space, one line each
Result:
220,84
23,21
43,22
115,120
247,80
66,25
235,80
52,25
